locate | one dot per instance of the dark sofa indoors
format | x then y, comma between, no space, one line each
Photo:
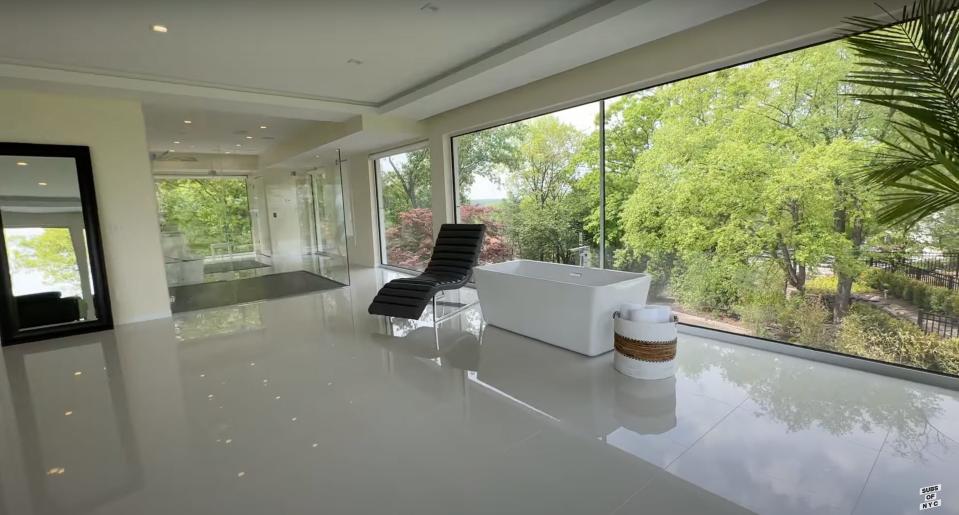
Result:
47,308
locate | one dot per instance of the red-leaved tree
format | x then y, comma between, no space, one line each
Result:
410,243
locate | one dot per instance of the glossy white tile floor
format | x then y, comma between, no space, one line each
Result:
309,405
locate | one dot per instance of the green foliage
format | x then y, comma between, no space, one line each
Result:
206,210
702,285
911,68
405,181
918,293
943,228
51,252
826,284
487,153
729,189
804,320
871,333
754,162
544,165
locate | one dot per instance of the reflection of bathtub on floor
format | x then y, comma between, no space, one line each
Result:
563,305
584,393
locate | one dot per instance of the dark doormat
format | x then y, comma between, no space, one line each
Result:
232,266
192,297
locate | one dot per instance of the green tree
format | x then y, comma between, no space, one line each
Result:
406,182
753,162
49,252
544,216
488,153
912,68
207,210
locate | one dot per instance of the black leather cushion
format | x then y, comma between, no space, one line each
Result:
455,253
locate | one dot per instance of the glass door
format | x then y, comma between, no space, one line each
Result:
322,217
206,229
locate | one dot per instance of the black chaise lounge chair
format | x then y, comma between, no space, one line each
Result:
455,253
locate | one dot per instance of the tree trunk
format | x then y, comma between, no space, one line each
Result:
844,280
843,295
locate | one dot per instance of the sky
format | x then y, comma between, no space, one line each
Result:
26,281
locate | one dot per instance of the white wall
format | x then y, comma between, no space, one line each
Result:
115,132
283,219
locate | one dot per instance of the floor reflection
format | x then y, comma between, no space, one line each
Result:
74,423
840,406
297,404
218,322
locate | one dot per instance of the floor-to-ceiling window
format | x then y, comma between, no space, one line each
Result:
405,208
736,190
534,183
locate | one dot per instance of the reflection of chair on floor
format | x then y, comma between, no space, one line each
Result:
458,349
455,254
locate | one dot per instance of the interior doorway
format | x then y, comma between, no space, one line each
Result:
231,239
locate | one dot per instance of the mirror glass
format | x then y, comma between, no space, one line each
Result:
44,234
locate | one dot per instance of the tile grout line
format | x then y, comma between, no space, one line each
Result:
720,421
869,475
664,469
630,498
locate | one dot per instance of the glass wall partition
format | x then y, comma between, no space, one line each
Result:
206,228
736,191
235,239
322,220
403,185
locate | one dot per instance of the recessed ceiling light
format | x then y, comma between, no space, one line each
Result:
264,127
228,152
162,29
238,145
188,122
249,137
41,184
176,142
21,163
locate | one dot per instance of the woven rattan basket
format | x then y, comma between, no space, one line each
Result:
644,350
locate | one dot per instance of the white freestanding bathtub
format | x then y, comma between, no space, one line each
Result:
563,305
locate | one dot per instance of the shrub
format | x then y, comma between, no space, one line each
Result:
872,333
826,285
871,278
806,321
706,286
802,320
920,294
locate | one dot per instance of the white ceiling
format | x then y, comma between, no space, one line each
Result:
233,65
215,132
291,47
60,174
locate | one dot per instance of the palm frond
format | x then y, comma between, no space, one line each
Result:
908,207
911,68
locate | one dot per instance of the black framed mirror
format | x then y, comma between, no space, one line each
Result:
52,273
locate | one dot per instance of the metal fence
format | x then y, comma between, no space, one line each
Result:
944,326
946,263
934,278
